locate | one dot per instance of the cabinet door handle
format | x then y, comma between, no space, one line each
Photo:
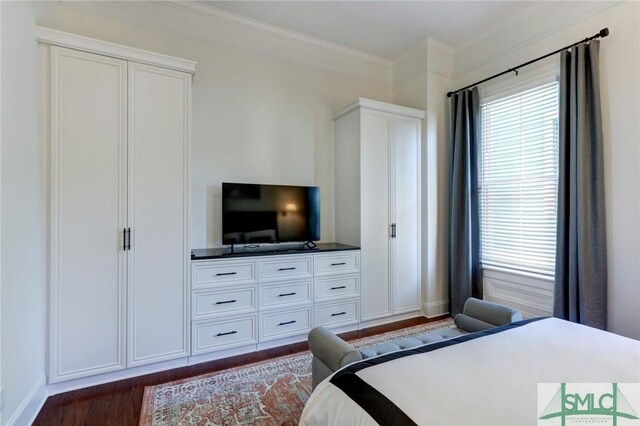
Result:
393,230
339,287
226,334
286,269
219,274
126,239
338,314
339,264
287,322
286,294
226,301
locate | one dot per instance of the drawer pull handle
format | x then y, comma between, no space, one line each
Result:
226,334
287,269
339,287
226,301
338,314
339,264
286,294
287,323
219,274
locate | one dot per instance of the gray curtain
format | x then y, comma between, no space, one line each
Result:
581,249
464,226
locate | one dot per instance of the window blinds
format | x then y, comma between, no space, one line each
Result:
518,180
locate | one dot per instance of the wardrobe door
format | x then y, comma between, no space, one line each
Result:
404,203
374,196
88,214
159,103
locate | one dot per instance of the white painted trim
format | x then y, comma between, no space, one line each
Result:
381,107
532,294
512,30
85,382
281,342
436,309
31,405
221,28
221,15
91,45
432,42
388,319
224,353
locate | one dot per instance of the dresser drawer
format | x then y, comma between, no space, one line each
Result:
339,287
223,273
336,314
278,296
342,263
287,268
227,302
282,324
217,335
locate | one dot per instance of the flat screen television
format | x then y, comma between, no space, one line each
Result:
255,213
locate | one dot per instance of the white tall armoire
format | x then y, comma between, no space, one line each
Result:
378,203
120,255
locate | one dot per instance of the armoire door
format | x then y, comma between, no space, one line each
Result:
88,214
374,196
404,204
159,102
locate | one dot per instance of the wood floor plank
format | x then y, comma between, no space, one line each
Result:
119,403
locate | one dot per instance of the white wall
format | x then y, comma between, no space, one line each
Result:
23,219
422,77
620,90
255,118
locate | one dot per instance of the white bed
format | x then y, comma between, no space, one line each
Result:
490,379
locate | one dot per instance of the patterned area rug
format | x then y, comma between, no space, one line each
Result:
270,392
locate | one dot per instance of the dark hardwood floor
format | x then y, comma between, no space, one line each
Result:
119,403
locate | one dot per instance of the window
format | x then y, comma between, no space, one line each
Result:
518,180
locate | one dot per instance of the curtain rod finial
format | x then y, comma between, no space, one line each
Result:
604,32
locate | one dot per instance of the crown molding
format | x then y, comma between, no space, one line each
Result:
381,107
514,34
427,56
214,26
92,45
212,12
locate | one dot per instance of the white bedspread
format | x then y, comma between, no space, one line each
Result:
491,380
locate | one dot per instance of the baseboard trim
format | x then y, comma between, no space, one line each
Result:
31,405
388,319
85,382
436,309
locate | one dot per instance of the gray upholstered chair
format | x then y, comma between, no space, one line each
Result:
330,352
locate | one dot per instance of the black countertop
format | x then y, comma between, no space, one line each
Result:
242,251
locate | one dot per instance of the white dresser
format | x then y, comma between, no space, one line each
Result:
247,303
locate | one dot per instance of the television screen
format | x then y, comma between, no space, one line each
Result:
253,214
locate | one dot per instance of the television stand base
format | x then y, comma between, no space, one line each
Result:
310,245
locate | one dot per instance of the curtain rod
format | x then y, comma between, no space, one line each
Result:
603,33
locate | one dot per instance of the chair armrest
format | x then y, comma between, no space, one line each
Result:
491,313
331,350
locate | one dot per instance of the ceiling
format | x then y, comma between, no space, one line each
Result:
387,28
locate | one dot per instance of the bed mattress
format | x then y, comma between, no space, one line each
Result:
488,378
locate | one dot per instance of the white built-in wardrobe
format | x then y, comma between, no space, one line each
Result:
378,203
119,250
